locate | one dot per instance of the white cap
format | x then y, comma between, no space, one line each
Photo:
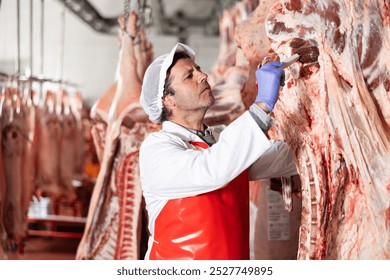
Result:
154,79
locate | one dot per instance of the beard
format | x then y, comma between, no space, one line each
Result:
206,86
211,100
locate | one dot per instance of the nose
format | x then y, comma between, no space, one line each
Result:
202,77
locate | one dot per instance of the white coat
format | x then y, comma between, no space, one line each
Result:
172,168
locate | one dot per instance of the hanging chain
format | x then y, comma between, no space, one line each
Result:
141,12
144,12
126,13
147,15
140,7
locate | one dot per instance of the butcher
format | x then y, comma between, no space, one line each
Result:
195,178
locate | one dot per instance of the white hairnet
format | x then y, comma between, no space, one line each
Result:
154,79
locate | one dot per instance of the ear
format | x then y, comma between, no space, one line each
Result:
169,101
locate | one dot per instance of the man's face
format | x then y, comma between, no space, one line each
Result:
192,91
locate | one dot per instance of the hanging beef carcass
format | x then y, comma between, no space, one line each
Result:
30,156
251,37
227,54
275,230
99,118
67,147
18,162
114,219
335,115
49,155
142,56
230,72
3,187
13,150
76,105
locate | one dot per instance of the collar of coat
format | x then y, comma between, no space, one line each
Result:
186,134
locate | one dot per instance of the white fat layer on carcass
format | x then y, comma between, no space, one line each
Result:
105,249
112,134
96,112
373,71
359,146
364,149
305,21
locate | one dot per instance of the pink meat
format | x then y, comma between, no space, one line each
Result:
29,169
113,228
13,152
251,38
3,189
17,166
335,115
67,144
49,155
230,73
76,104
114,219
98,132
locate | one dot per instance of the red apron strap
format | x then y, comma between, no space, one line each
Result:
199,144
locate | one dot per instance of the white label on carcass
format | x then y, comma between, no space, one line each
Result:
278,219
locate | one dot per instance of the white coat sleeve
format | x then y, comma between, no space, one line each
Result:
170,170
276,161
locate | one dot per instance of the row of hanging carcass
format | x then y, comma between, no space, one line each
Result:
42,150
333,111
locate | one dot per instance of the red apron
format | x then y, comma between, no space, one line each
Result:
210,226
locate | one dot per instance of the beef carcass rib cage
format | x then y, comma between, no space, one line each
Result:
336,116
113,225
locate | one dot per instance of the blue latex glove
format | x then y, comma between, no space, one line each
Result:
268,79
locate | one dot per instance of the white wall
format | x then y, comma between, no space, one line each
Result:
90,57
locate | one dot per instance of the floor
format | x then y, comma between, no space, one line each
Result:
51,237
47,248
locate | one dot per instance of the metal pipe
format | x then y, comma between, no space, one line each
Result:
62,43
31,37
86,12
17,66
41,65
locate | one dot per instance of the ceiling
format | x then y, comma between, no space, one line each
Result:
168,17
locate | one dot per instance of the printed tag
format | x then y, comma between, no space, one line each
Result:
278,219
